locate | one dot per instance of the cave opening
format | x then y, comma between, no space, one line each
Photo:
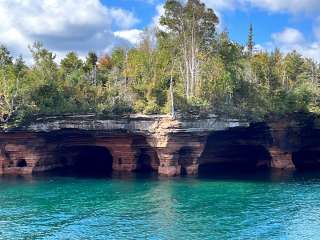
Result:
86,161
307,159
21,163
234,158
147,162
185,159
237,150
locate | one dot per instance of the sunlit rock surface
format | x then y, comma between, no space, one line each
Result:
161,144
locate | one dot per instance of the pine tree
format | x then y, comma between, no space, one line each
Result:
5,57
71,63
250,44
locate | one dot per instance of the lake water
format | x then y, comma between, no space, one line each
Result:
271,206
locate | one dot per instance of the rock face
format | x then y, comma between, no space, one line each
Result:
169,147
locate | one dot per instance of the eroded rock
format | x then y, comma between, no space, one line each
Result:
140,143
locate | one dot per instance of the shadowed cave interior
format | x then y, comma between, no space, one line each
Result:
232,152
98,161
307,159
85,160
145,164
185,159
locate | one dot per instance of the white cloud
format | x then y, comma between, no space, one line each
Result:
160,11
122,18
133,35
292,39
62,25
289,39
293,6
311,50
288,36
84,25
219,5
259,47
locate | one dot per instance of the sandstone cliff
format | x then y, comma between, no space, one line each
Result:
157,143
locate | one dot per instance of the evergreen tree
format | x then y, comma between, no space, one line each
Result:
5,57
71,63
250,43
20,65
201,70
91,61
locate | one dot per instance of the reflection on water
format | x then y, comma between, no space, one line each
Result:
273,205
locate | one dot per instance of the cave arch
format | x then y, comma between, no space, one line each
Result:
147,161
21,163
234,158
86,160
185,159
306,159
233,152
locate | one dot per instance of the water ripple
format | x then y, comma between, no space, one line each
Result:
189,208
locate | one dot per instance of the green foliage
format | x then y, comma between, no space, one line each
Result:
91,61
152,108
209,74
71,63
5,58
190,18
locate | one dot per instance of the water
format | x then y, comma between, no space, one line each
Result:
227,207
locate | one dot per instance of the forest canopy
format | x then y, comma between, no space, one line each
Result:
190,68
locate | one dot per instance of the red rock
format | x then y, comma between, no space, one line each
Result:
170,147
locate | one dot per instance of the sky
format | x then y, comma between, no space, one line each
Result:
100,25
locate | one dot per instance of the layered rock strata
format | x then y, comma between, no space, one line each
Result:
157,143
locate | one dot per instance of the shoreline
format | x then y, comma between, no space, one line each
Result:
170,147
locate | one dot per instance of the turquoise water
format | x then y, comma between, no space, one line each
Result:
227,207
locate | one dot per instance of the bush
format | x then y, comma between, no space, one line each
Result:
48,99
121,107
152,108
139,106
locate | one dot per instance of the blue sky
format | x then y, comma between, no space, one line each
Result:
235,20
100,25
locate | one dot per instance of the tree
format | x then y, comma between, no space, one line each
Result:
189,68
10,74
231,53
20,65
293,67
250,43
90,67
276,62
5,57
104,67
193,27
45,67
20,71
91,61
70,63
118,58
105,63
